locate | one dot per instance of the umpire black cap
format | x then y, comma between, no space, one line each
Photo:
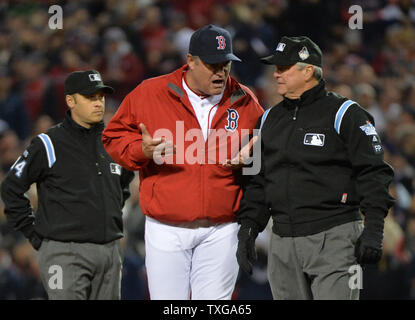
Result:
291,50
212,44
85,82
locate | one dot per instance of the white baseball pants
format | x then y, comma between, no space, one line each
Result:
198,263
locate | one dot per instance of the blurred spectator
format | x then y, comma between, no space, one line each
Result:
180,33
409,100
33,83
10,149
407,143
25,260
134,281
163,62
152,31
12,109
43,123
345,91
121,67
253,39
366,97
10,283
54,100
5,47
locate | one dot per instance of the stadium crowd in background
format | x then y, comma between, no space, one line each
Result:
129,41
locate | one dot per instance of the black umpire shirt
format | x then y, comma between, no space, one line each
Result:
80,189
321,162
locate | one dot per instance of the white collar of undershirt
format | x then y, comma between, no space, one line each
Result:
215,99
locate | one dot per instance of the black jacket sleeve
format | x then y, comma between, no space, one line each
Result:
126,177
373,174
253,210
30,167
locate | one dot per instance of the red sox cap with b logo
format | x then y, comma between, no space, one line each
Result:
212,44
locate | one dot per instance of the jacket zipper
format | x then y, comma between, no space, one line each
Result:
289,173
295,113
100,174
204,213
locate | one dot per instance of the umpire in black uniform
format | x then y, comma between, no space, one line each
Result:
321,167
81,192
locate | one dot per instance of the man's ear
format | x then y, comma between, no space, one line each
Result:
70,101
309,72
191,61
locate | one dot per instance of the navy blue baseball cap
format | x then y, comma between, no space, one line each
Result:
85,82
212,44
291,50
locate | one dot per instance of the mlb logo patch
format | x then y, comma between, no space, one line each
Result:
94,77
115,168
314,139
280,47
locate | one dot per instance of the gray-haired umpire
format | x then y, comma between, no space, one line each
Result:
81,192
321,167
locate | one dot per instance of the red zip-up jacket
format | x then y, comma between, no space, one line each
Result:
195,185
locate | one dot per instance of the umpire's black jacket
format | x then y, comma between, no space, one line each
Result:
321,162
80,190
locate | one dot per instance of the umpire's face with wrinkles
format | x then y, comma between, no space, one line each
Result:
86,110
292,81
208,79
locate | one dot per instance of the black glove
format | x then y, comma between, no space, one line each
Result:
34,238
368,248
246,253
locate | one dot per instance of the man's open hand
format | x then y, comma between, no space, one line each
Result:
242,157
155,147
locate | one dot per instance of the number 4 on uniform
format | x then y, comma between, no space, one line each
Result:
18,167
